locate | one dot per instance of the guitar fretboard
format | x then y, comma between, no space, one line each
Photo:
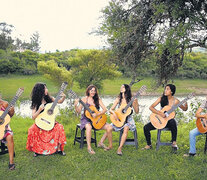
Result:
177,105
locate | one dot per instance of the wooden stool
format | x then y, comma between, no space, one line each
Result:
129,141
159,143
81,139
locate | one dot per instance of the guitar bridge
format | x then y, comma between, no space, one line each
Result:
45,121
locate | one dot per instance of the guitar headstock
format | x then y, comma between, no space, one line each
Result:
63,86
19,92
141,90
72,94
191,95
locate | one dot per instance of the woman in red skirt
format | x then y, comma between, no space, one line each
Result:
40,141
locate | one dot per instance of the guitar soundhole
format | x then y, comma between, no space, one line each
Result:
50,111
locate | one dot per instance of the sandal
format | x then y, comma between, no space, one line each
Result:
119,153
147,147
62,153
102,146
189,155
11,166
91,151
175,147
35,154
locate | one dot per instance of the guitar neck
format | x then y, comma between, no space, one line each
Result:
55,102
12,103
85,106
177,105
58,96
131,101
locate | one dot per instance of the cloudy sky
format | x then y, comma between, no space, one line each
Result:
62,24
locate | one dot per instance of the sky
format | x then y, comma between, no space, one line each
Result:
62,24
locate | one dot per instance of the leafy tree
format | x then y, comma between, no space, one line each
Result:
159,29
6,41
92,67
57,74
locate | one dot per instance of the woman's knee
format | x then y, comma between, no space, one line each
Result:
109,128
126,129
9,138
88,127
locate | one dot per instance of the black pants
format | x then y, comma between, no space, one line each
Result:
171,125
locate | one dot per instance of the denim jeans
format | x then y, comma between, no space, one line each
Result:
192,138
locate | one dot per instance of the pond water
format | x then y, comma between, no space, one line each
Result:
144,102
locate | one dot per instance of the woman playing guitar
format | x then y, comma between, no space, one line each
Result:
92,99
8,135
166,99
123,98
195,132
40,141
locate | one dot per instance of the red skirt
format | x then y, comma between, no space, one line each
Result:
46,142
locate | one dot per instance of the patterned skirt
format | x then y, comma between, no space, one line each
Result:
130,123
46,142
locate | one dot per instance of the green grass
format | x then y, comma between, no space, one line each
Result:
79,164
9,85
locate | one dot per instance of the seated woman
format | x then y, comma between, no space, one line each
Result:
40,141
166,99
123,98
200,113
8,134
93,99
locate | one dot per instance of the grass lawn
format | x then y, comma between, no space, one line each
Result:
9,85
79,164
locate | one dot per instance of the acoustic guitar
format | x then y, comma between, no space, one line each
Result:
46,119
201,124
159,122
125,110
97,122
4,116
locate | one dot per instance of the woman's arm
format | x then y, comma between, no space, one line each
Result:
11,111
113,108
136,106
79,108
103,108
152,107
183,107
62,98
198,113
36,113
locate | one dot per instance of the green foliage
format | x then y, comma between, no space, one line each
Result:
194,66
56,74
92,67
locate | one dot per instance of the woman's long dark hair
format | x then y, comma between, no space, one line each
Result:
38,93
164,99
127,94
95,97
